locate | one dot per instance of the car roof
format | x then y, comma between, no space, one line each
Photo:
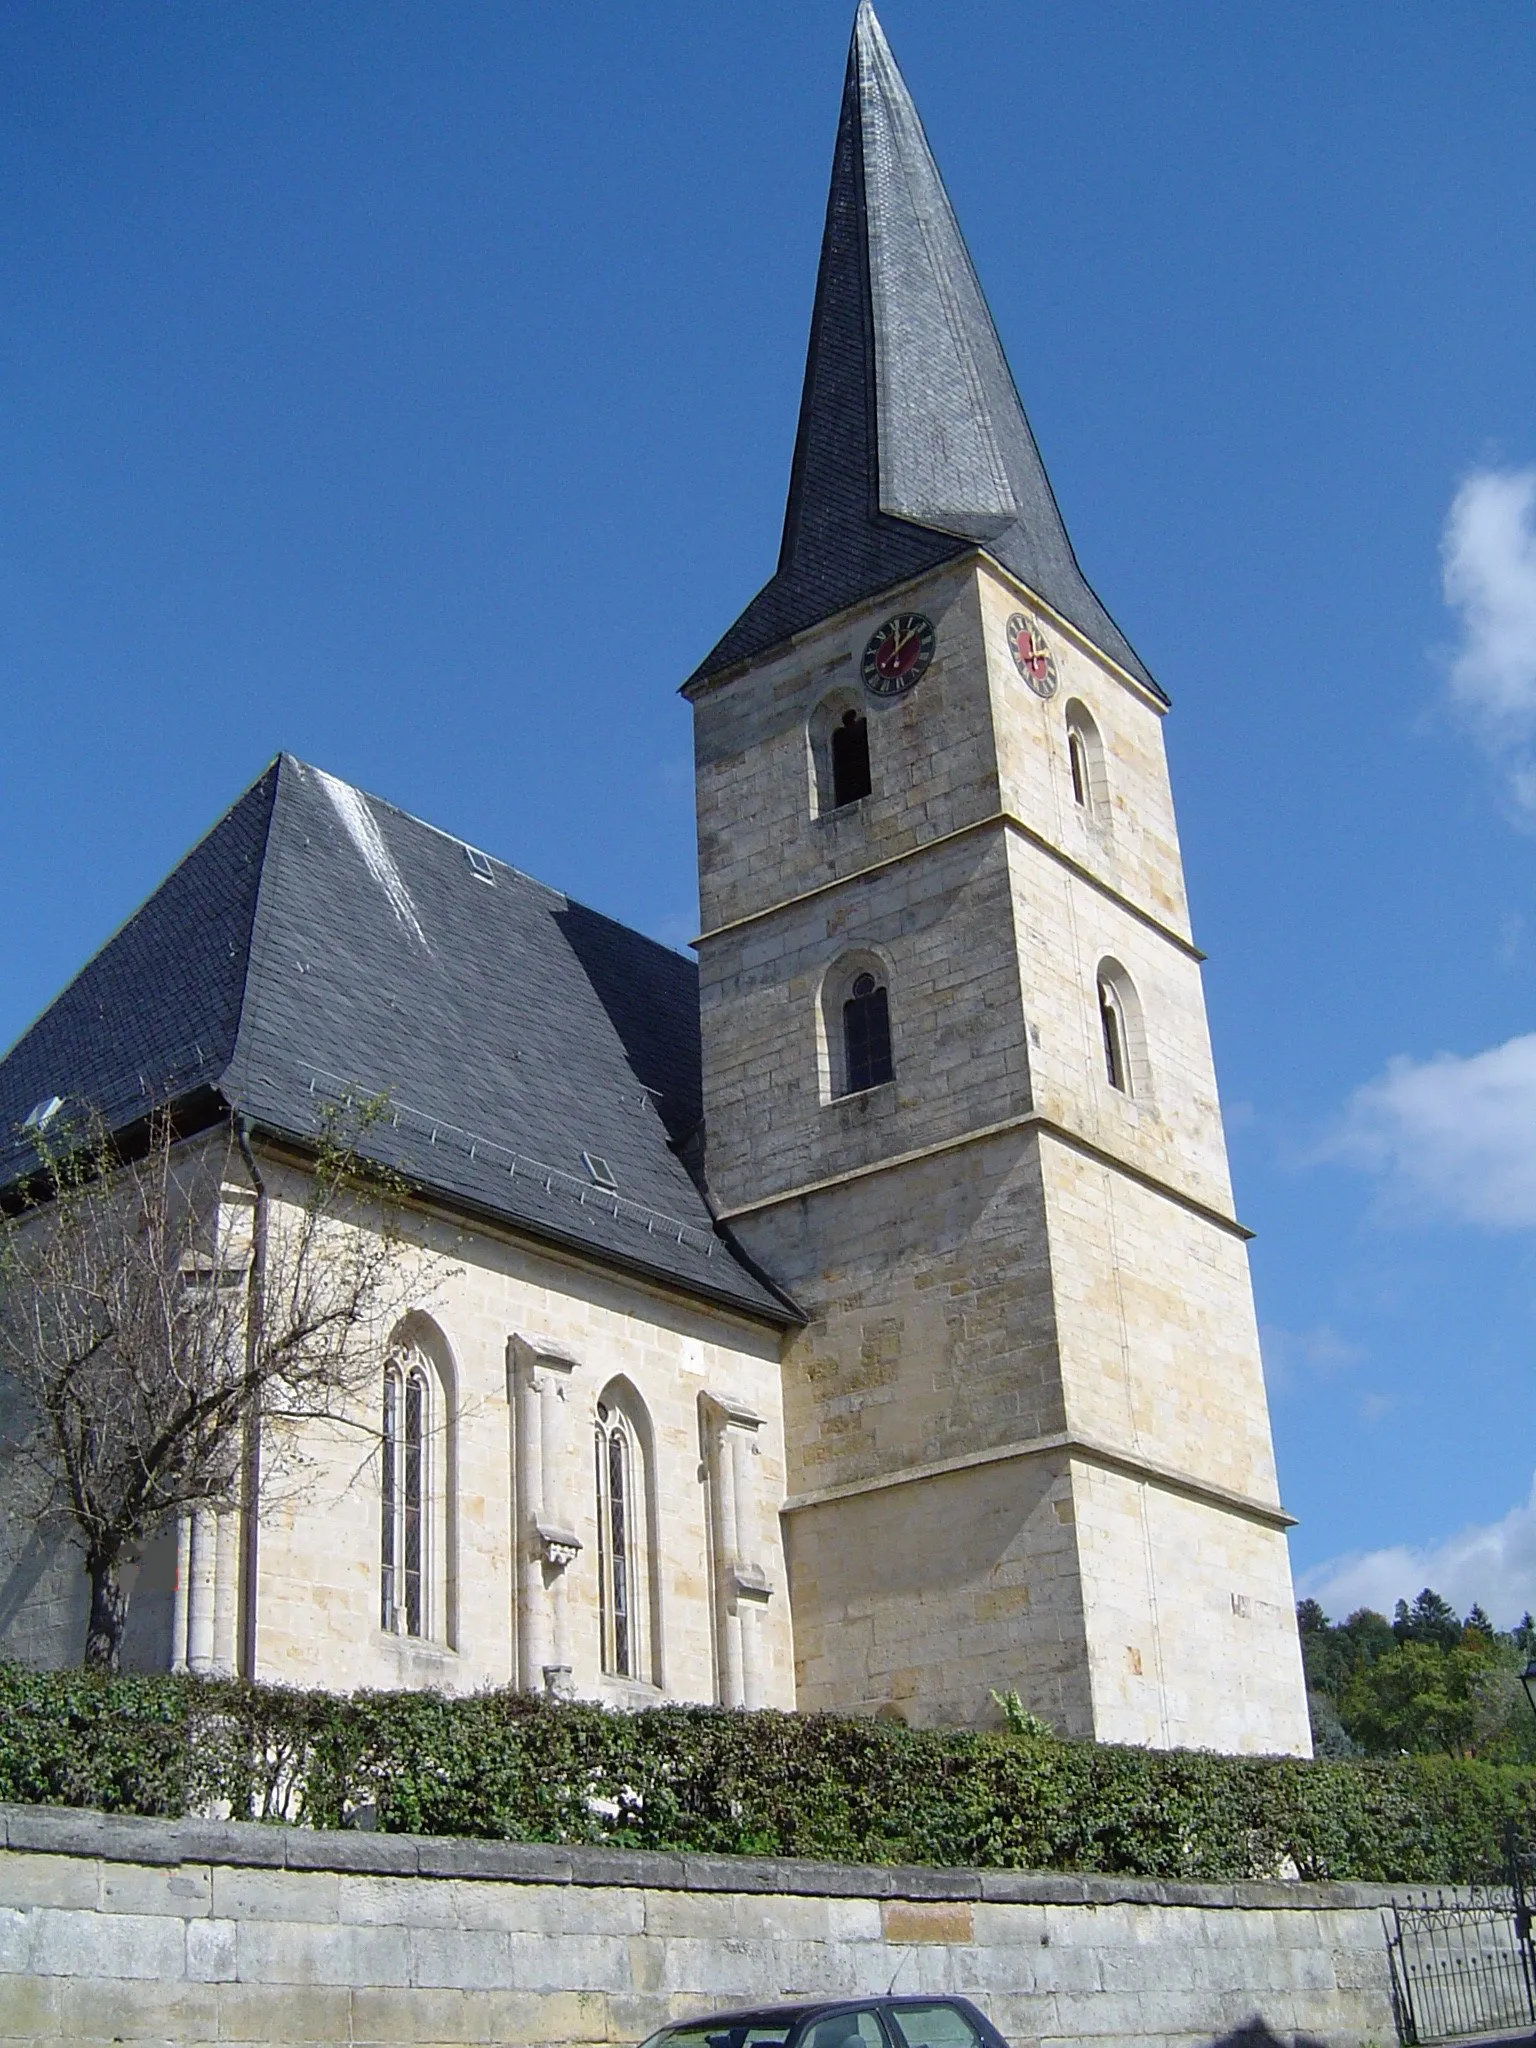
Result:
767,2015
789,2010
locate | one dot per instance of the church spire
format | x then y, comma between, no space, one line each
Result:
912,445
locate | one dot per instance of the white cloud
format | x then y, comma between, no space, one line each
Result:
1488,554
1451,1136
1494,1565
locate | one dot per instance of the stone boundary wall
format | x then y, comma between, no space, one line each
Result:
190,1932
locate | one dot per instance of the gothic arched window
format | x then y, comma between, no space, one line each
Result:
417,1456
866,1035
405,1521
620,1521
850,759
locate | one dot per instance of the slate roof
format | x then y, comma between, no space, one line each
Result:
912,446
319,943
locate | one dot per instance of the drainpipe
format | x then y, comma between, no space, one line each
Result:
251,1478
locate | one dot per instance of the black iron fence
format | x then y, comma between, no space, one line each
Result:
1465,1966
1460,1967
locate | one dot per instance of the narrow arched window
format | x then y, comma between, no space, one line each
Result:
616,1526
406,1478
390,1491
1085,764
1112,1023
867,1035
1077,755
850,759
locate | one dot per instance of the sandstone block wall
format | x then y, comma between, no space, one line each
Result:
1031,1319
318,1619
192,1933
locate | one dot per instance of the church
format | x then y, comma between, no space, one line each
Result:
856,1321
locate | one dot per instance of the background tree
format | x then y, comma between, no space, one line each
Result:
1429,1620
167,1329
1422,1683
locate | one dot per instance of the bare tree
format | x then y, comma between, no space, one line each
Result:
168,1326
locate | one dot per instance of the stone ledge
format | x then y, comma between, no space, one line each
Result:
123,1838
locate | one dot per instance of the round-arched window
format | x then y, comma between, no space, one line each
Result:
866,1035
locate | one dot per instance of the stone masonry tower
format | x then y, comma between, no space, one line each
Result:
959,1091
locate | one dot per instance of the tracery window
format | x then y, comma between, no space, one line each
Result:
866,1035
405,1527
619,1525
850,759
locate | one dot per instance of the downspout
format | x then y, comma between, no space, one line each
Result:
250,1492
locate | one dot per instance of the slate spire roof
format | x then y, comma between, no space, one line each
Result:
320,943
913,446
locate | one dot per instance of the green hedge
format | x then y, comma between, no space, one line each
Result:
509,1766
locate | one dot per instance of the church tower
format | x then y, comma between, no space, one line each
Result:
958,1084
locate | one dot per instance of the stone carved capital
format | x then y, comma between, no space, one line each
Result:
557,1547
726,1413
750,1582
538,1365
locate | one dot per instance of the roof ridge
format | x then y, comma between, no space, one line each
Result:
253,979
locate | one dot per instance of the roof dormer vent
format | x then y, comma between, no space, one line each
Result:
42,1114
600,1170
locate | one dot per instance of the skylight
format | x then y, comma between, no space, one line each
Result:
599,1169
480,865
42,1114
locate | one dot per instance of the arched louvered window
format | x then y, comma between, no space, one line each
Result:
867,1035
850,759
619,1520
405,1530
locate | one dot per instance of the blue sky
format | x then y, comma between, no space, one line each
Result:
413,387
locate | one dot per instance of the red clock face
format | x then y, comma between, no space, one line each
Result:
898,654
1031,656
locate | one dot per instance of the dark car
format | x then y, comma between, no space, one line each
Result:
838,2023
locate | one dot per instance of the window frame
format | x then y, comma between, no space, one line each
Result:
852,727
891,2010
822,721
1082,773
626,1606
1087,765
836,991
1112,1032
867,1013
409,1502
1117,998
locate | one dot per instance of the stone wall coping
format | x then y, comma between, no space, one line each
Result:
125,1838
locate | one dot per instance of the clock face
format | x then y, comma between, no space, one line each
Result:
898,654
1031,657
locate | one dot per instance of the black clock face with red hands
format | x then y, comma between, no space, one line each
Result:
1031,657
898,654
